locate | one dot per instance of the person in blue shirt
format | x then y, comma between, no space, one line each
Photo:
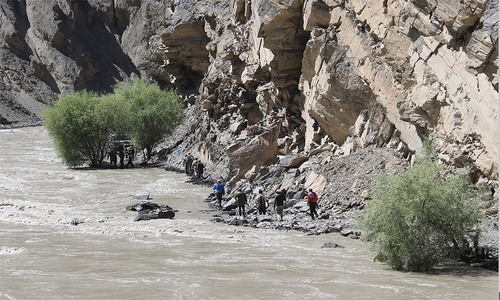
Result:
219,191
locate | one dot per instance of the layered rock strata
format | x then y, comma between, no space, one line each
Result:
278,78
268,81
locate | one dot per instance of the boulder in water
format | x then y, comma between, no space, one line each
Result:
332,245
169,214
151,210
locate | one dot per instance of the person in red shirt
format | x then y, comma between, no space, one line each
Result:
312,201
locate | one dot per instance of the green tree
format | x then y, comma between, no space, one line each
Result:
82,125
153,113
417,217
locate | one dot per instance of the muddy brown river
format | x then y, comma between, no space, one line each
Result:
110,256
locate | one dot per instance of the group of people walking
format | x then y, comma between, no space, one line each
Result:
193,166
122,152
263,202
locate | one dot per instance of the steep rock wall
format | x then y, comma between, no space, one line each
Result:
265,79
333,74
54,47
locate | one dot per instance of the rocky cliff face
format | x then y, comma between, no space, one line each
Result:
267,82
53,47
270,78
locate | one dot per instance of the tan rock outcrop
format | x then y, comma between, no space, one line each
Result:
356,73
259,151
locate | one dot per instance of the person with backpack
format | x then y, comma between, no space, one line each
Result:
130,154
312,201
262,203
188,161
121,154
219,191
279,203
200,168
112,157
241,199
194,168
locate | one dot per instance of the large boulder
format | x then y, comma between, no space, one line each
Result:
150,210
259,151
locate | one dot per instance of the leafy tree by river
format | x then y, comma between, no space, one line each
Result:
83,124
153,113
418,217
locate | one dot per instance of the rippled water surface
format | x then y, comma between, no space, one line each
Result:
110,256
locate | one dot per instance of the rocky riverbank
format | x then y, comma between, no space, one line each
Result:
343,183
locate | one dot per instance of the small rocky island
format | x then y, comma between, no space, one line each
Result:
149,210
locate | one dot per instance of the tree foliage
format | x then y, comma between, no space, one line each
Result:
417,217
83,124
154,113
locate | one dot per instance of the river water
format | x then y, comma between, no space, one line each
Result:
110,256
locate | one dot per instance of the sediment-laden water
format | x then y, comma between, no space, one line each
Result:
110,256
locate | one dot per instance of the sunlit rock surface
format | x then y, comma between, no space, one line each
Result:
262,79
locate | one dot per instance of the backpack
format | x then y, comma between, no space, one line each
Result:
261,200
